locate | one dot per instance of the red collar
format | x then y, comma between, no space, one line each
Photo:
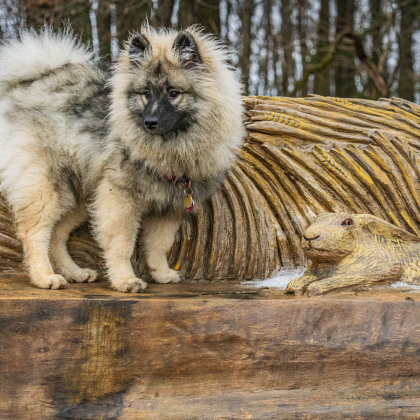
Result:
171,178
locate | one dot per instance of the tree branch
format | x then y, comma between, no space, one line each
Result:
370,67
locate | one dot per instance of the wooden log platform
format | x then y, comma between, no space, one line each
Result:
207,351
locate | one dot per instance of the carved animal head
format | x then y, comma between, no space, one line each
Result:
333,236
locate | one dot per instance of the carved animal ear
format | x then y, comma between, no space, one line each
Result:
138,46
380,227
187,49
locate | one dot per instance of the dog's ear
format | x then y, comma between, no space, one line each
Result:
137,48
186,46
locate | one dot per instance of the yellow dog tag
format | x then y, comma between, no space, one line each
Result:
188,201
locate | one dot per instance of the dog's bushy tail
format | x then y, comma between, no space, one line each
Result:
38,53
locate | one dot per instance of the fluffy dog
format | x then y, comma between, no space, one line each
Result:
122,146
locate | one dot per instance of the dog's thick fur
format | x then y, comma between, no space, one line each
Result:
75,140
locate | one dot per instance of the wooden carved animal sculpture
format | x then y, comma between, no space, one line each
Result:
352,251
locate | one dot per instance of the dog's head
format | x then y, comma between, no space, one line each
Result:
174,91
162,97
169,80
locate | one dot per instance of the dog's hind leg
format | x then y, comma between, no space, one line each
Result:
60,257
37,208
158,237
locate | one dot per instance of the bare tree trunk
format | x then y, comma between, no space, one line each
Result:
59,14
406,75
229,12
246,36
186,14
302,6
265,61
377,22
130,16
375,29
78,13
164,13
322,79
104,28
39,11
209,15
286,37
345,70
204,12
276,61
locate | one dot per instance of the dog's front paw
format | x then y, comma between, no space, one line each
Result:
80,275
131,284
166,276
52,281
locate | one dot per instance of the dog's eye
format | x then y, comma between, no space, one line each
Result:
173,94
147,94
347,222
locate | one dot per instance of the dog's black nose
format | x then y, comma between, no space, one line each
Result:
151,123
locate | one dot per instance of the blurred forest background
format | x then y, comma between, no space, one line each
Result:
345,48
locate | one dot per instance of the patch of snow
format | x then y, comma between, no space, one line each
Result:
406,286
279,281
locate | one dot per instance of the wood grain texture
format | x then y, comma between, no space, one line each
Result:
302,157
206,351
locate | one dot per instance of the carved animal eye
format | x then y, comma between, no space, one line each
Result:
347,222
173,94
